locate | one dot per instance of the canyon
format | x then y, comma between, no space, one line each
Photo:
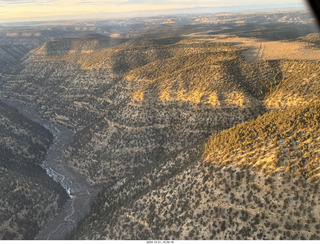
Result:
201,130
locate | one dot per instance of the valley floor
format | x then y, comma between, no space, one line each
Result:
81,194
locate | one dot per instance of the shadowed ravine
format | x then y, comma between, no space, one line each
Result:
80,192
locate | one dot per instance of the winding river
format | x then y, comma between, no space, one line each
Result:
80,192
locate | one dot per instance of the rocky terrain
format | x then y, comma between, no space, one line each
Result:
191,139
29,197
252,180
114,122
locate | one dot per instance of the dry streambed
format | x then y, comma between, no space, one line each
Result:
80,192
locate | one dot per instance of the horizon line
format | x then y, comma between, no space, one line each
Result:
154,13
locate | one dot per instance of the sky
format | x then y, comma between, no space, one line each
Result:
42,10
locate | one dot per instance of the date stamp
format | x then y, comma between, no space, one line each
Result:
160,242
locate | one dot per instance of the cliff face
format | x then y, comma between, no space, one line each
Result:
201,143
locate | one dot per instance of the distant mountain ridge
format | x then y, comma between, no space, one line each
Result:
172,12
84,44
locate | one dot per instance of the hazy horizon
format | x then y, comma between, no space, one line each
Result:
54,10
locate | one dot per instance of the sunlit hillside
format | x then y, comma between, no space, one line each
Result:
197,127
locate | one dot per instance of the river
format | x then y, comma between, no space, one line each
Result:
80,192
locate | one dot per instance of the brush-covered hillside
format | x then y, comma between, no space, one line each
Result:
257,180
84,44
313,38
279,142
116,132
145,126
28,196
198,142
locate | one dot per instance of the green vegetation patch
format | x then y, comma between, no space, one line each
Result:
279,141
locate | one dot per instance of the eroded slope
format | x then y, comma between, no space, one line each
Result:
257,180
116,132
141,111
29,197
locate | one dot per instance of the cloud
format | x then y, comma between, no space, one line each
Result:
44,9
16,2
146,2
76,3
25,1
